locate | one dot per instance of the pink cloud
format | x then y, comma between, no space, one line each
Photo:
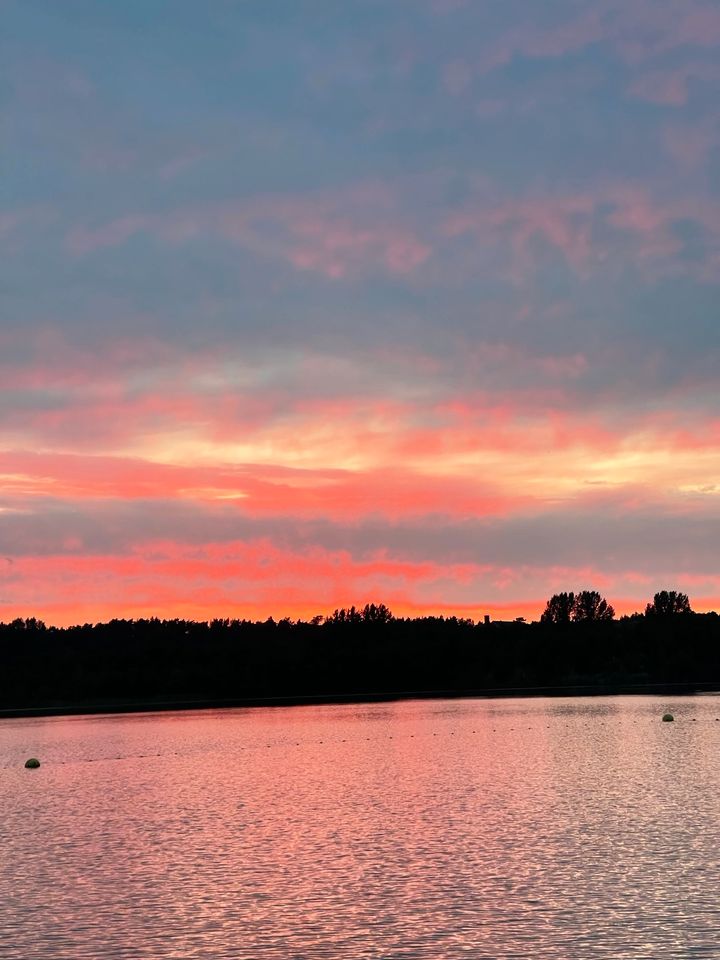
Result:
638,31
553,41
569,223
60,365
334,233
650,223
564,222
142,389
83,240
649,28
563,38
258,489
671,87
336,249
456,76
371,228
690,146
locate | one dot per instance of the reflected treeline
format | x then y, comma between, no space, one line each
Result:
351,652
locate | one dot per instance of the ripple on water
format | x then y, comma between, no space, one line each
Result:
557,829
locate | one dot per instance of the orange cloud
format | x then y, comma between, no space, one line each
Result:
233,579
467,455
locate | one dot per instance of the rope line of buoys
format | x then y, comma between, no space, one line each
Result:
32,763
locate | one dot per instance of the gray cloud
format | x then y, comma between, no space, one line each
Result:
603,537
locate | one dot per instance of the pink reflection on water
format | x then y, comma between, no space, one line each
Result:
550,828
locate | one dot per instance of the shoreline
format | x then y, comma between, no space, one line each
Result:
360,697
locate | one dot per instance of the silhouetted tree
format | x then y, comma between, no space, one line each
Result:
345,615
668,602
590,607
559,608
376,613
29,624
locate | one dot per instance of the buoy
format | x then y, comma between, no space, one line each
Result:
668,718
32,764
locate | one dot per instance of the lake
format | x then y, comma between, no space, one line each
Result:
563,828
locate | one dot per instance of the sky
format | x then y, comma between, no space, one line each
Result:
307,303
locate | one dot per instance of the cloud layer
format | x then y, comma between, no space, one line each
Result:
414,303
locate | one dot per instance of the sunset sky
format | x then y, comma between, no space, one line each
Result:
307,303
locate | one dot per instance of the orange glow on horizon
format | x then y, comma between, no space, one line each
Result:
74,613
256,581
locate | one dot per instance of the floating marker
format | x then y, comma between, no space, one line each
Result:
32,764
668,718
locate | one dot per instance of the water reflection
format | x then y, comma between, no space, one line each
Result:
435,829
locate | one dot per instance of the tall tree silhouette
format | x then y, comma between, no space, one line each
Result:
668,602
590,607
559,608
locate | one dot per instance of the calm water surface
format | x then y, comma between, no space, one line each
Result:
558,828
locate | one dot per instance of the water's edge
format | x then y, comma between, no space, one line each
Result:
145,706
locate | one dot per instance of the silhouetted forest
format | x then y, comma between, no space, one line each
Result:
354,653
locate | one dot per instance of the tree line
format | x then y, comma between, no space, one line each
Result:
589,606
354,652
